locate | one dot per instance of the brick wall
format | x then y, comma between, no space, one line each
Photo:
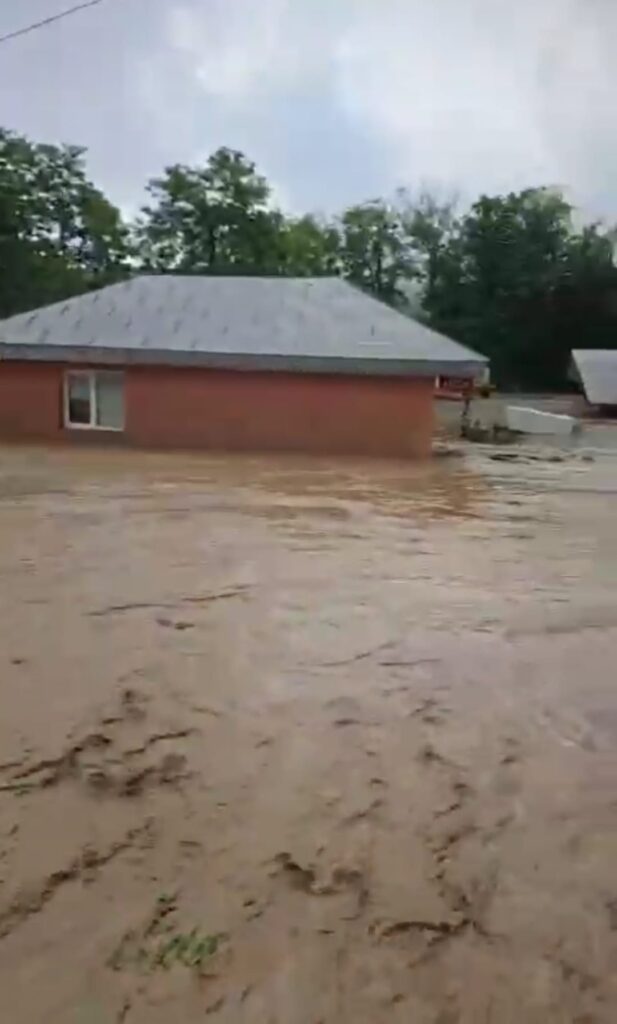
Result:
193,408
31,400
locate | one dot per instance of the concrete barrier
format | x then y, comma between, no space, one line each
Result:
525,420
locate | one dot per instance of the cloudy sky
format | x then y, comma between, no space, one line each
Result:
336,100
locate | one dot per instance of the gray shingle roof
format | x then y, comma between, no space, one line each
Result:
321,324
597,371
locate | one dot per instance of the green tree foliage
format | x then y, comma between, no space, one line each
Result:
516,281
212,219
428,224
512,276
58,234
376,253
309,248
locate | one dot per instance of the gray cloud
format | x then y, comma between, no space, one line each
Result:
336,101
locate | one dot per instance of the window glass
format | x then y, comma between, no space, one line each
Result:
109,400
79,405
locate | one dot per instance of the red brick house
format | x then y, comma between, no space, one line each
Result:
226,363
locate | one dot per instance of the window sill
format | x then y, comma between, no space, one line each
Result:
93,429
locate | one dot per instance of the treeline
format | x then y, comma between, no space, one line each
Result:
512,276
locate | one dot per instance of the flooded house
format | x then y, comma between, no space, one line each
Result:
596,371
228,363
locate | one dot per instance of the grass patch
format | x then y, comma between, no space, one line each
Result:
160,945
190,949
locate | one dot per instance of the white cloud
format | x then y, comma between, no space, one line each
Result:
577,79
336,99
238,48
454,93
487,94
230,47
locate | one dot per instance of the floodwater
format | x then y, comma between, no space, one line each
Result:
307,742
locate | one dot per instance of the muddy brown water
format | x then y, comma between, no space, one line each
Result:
307,742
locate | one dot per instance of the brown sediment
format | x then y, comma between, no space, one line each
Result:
374,781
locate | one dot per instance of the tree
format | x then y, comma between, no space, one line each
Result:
428,224
58,234
585,301
512,277
509,271
309,248
375,250
212,219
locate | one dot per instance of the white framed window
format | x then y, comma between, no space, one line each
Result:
94,400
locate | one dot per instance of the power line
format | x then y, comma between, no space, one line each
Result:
49,21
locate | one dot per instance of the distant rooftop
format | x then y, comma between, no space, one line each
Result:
596,370
313,324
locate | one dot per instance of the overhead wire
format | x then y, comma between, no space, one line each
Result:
33,26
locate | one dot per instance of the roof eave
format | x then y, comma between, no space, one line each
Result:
366,366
